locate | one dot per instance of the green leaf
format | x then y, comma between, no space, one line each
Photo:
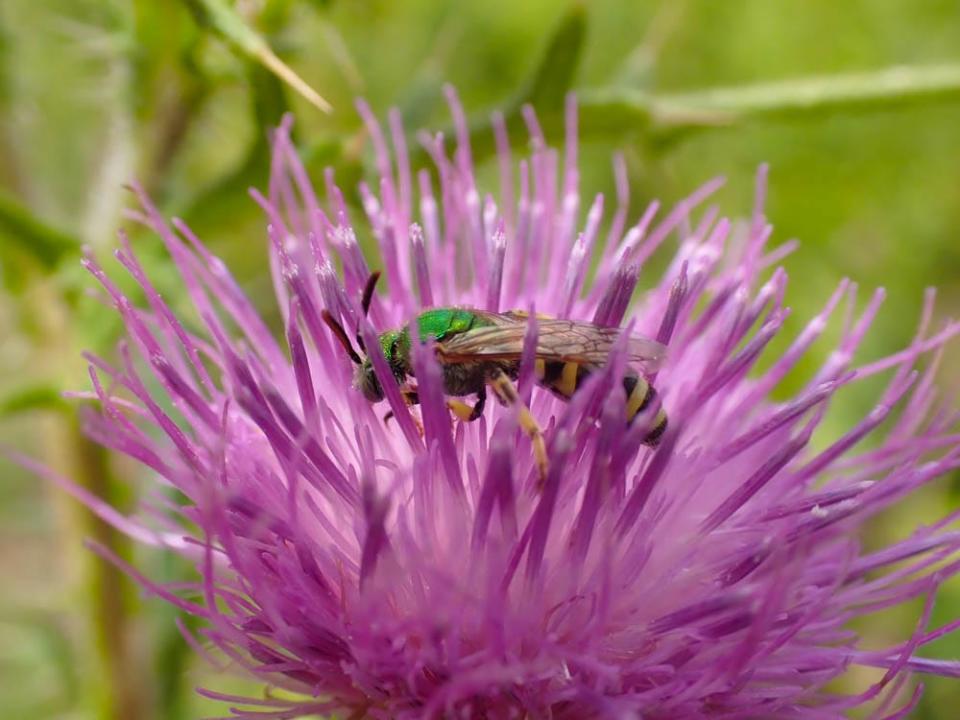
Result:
614,115
554,75
228,197
32,236
41,396
546,89
5,75
172,657
638,68
269,101
606,114
228,24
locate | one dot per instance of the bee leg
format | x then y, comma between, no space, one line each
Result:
410,397
465,412
507,394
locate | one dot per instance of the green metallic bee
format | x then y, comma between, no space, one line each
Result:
477,349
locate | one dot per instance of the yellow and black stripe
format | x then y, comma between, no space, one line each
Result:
565,378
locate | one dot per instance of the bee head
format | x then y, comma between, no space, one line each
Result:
395,347
365,380
364,377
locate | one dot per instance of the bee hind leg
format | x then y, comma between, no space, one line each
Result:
507,394
466,412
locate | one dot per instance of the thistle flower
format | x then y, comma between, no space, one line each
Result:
362,568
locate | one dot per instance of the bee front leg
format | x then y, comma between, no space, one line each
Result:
410,397
465,412
507,394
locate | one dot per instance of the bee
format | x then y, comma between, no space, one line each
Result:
478,349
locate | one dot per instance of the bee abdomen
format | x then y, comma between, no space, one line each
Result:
640,395
561,378
564,379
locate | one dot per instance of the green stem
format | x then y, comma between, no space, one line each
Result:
811,96
113,685
619,113
121,692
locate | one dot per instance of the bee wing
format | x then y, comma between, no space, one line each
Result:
559,340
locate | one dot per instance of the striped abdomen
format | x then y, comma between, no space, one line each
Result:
564,379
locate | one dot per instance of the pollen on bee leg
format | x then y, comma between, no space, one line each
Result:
468,413
530,426
568,379
540,368
461,409
507,394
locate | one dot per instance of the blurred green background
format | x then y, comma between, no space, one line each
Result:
865,171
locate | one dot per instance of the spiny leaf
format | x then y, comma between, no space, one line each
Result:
226,22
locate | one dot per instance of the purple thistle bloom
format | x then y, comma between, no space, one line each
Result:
371,571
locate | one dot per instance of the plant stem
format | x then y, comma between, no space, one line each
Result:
114,688
810,96
618,113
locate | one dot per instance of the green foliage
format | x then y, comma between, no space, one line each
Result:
40,396
554,76
855,106
24,231
224,20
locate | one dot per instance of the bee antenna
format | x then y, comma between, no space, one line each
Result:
368,291
341,335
